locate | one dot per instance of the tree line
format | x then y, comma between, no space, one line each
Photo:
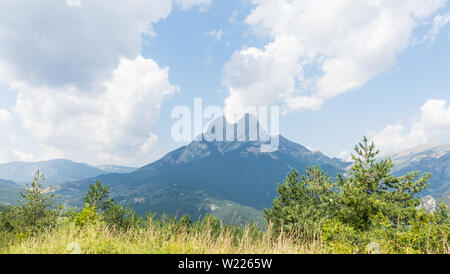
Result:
366,210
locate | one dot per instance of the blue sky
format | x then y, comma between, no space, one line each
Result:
101,86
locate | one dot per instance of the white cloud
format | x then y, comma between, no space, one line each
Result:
345,156
84,91
49,43
433,122
319,49
216,34
148,145
5,116
73,3
114,122
23,157
439,22
188,4
6,136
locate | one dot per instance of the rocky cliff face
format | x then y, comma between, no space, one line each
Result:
428,204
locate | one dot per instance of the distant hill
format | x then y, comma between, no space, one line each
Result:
9,192
56,171
209,177
429,158
116,168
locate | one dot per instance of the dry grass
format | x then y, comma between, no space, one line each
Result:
98,239
173,238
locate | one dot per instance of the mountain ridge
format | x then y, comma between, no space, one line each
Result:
430,158
185,179
56,171
9,192
233,179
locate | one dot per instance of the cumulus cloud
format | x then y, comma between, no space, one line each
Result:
83,89
50,43
114,123
320,49
434,121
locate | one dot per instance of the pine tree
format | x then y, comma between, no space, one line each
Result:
111,212
97,196
302,203
35,211
371,190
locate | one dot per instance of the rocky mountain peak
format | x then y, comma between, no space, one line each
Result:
428,204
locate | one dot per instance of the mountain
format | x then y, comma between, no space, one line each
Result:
9,192
209,176
432,158
428,204
116,168
55,171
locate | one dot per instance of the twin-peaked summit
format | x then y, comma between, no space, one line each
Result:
236,170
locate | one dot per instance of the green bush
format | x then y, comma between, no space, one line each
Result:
121,217
87,216
303,203
112,213
339,238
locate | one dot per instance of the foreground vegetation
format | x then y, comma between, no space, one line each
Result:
367,211
155,238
